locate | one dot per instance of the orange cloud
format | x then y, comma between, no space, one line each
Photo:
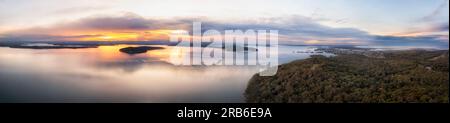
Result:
128,27
149,35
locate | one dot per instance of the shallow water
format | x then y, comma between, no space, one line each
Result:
106,75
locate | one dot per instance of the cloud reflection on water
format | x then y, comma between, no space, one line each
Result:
105,74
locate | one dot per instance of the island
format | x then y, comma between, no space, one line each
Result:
138,50
237,48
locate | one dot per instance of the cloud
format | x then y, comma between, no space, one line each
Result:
289,24
112,23
437,12
292,30
100,25
441,27
295,29
42,37
125,21
435,41
428,31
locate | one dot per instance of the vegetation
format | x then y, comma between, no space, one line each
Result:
402,76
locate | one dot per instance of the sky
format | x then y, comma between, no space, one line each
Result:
338,22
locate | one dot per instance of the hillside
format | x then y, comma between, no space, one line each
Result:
401,76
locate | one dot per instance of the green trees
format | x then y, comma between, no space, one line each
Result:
402,76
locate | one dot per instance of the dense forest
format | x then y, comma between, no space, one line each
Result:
415,76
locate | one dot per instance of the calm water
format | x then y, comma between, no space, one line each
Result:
106,75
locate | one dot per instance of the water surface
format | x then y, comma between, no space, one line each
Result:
104,74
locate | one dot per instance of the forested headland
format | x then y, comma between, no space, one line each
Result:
414,76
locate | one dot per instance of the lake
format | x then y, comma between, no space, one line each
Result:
105,74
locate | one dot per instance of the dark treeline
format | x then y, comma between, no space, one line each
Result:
402,76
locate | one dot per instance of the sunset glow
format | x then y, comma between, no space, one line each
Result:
148,35
342,22
223,51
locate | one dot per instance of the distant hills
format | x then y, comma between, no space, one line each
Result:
414,76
